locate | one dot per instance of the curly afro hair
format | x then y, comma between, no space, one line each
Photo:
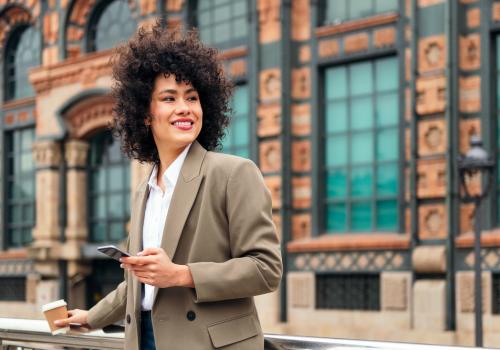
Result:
156,51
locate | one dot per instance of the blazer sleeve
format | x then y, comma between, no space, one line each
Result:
112,308
256,266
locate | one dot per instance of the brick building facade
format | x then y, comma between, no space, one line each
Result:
355,112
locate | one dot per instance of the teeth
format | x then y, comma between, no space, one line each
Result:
182,123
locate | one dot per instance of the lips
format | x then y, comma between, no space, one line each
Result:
183,124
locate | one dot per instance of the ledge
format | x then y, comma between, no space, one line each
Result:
235,52
359,241
357,24
22,102
14,254
488,239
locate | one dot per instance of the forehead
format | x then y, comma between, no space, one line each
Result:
164,82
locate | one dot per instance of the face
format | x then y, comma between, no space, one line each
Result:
176,113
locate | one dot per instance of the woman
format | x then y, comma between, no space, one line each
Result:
202,239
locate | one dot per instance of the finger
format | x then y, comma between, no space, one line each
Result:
63,322
133,260
150,251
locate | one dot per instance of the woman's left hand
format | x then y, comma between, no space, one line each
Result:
152,266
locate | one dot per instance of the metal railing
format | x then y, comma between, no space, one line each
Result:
18,334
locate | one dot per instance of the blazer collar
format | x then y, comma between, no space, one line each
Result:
192,164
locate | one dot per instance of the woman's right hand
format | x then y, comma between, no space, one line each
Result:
75,316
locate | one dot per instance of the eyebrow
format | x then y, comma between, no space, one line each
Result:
174,91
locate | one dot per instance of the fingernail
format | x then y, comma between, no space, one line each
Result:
121,265
139,254
120,260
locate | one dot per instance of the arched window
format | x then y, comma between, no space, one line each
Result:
109,189
22,53
110,24
222,23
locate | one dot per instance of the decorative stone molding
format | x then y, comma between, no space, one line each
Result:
269,20
175,5
372,241
301,119
301,83
328,48
432,138
16,15
468,128
470,52
429,305
51,28
305,54
273,183
238,68
429,259
473,18
301,192
431,178
466,218
301,226
270,84
432,221
425,3
89,115
301,290
301,156
356,42
395,291
495,11
465,292
431,95
385,37
431,53
301,20
356,25
269,120
270,156
46,154
76,153
470,94
84,70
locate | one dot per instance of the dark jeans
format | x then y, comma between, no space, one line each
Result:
147,335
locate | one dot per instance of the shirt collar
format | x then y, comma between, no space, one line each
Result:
170,175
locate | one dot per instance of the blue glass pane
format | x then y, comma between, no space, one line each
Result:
361,113
116,231
115,208
115,25
387,109
361,181
240,100
115,176
28,188
387,144
98,207
336,83
336,183
204,18
362,148
242,152
336,116
98,232
386,5
387,179
336,11
221,32
222,13
387,215
361,216
240,129
27,55
498,90
98,180
361,81
336,151
360,9
387,74
336,217
239,8
498,52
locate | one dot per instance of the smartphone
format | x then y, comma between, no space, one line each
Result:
113,252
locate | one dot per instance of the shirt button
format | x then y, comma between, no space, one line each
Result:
191,316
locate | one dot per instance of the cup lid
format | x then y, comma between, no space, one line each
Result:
53,305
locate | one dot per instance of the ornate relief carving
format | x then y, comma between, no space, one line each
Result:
466,218
76,153
301,286
301,226
431,53
301,119
175,5
301,156
301,83
269,20
432,221
328,48
46,153
431,95
470,52
301,192
305,53
270,156
269,120
385,37
395,290
495,11
468,128
301,20
465,291
431,178
273,183
431,137
356,43
429,259
89,115
470,94
270,84
12,17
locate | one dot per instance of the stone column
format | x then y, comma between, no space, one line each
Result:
76,191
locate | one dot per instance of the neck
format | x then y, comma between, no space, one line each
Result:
167,156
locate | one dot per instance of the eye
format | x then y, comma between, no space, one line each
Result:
192,98
168,98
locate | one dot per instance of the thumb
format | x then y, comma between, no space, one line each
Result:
149,251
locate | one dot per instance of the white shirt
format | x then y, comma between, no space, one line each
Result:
156,214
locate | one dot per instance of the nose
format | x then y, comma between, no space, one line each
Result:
182,107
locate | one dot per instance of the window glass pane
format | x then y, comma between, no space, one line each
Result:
15,214
361,181
26,162
336,11
361,113
99,207
386,5
29,213
222,32
116,176
98,232
222,13
114,25
336,183
98,180
336,117
387,109
361,148
240,130
28,187
387,144
387,215
387,179
240,28
336,217
116,207
117,231
336,151
336,82
240,100
203,18
361,78
361,216
387,74
360,9
239,7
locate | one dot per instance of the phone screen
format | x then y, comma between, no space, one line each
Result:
113,252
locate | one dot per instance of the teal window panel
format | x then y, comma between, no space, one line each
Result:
111,26
223,24
20,181
360,9
237,138
387,215
338,11
361,217
108,189
386,5
362,146
336,215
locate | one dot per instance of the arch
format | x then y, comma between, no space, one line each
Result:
87,113
11,18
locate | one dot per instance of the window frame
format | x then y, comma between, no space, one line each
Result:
322,14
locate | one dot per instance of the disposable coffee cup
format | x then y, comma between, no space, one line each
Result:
55,311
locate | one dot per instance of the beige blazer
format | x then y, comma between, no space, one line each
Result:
219,223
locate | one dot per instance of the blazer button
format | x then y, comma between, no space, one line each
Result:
191,315
128,319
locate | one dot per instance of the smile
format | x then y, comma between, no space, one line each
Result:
183,125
